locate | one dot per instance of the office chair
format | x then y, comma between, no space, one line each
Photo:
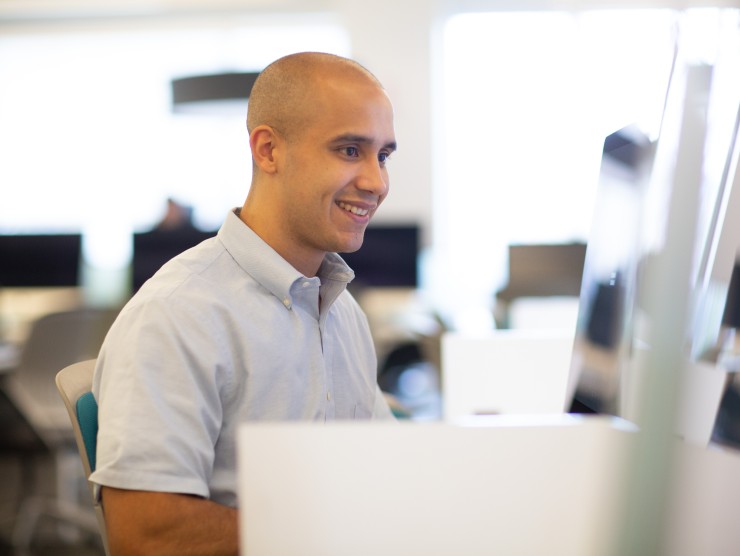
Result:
55,341
74,384
537,271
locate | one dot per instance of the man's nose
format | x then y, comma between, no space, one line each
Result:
373,179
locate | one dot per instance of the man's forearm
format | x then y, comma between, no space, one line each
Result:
143,522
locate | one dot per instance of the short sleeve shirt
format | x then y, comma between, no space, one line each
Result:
227,332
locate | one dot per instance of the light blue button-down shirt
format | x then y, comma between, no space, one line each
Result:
227,332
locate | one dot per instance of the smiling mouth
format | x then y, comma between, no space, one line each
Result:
353,209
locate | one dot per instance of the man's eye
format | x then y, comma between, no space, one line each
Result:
383,157
351,151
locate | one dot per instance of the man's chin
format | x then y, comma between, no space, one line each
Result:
351,245
349,249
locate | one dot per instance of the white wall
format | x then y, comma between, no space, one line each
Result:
391,40
396,40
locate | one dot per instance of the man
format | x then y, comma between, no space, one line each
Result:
255,324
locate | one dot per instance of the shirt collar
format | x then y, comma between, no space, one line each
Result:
274,273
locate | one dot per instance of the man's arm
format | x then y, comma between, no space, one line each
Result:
142,522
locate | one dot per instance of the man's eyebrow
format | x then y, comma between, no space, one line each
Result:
354,138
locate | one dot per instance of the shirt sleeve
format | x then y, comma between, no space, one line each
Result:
160,411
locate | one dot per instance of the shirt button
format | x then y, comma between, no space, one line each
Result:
328,396
306,284
286,302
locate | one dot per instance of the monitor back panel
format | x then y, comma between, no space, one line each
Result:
517,485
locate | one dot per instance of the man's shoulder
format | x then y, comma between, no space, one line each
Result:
188,270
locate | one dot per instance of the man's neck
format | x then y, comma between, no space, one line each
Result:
306,265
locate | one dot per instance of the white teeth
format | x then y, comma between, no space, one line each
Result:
354,210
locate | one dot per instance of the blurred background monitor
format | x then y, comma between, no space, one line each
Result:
388,257
40,260
154,248
731,316
610,272
726,429
634,206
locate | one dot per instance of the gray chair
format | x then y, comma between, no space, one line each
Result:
540,270
55,341
74,384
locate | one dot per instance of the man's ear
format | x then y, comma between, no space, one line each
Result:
264,143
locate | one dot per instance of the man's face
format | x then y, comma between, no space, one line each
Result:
335,174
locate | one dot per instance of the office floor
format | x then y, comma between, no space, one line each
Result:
48,541
55,550
67,551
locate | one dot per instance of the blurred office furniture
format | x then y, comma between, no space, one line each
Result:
505,372
75,386
21,307
55,341
46,260
727,426
702,385
212,94
731,316
404,328
38,271
540,271
388,257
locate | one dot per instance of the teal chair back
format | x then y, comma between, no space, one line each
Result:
75,386
87,417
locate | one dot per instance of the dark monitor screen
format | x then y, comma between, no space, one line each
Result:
731,315
387,258
40,260
153,249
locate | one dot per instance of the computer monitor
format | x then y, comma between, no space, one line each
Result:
388,257
610,272
154,248
687,222
731,315
40,260
723,293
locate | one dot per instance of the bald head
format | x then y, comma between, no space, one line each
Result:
283,95
320,133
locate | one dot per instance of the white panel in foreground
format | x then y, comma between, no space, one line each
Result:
515,485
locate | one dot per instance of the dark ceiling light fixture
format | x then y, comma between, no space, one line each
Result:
214,94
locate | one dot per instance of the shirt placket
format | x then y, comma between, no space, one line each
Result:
327,347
